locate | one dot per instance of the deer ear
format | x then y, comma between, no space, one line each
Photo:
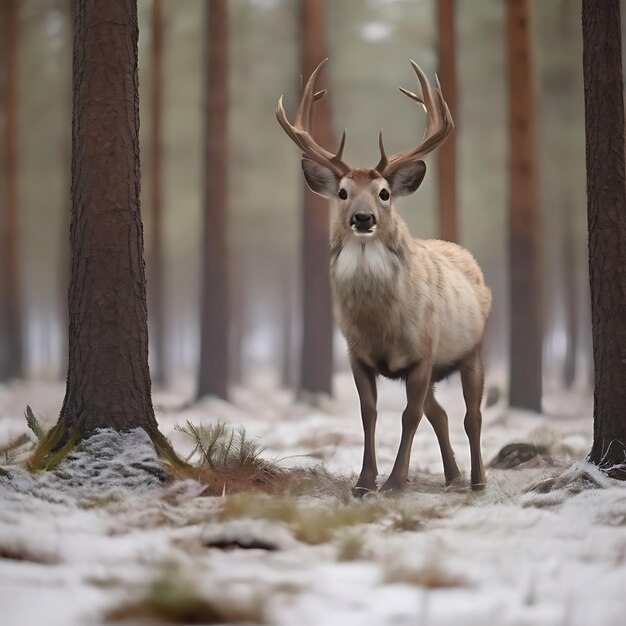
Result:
320,179
407,178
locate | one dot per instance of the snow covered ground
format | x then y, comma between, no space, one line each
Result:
81,546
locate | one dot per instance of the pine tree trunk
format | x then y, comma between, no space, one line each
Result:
316,370
10,305
155,258
214,319
525,388
606,210
108,383
446,155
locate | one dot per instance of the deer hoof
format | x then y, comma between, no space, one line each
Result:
393,485
363,487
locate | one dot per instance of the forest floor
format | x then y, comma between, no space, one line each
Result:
92,543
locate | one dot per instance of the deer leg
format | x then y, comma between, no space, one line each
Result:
439,420
365,380
473,381
417,384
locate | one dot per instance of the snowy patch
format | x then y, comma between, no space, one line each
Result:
103,531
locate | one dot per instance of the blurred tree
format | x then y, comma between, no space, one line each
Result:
287,377
66,200
606,209
108,382
566,77
10,305
446,156
155,258
214,316
316,371
570,288
525,385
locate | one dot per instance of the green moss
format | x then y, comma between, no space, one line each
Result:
51,451
33,423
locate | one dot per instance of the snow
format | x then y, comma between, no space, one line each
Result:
94,533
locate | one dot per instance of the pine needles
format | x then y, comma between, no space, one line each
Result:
227,461
220,447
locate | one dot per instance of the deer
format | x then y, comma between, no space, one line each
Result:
409,309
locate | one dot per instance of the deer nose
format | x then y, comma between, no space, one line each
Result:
362,221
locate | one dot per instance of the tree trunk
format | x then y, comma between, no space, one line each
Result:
10,305
108,382
446,155
525,221
155,258
317,322
606,210
214,322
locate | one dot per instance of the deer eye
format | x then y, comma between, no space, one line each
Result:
343,194
384,194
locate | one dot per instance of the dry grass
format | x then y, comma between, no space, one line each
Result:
430,576
12,445
351,547
227,461
219,446
404,520
320,525
173,599
318,480
311,523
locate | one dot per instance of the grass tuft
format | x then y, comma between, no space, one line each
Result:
173,599
33,423
403,520
220,447
318,526
227,461
310,523
351,547
430,576
48,454
13,445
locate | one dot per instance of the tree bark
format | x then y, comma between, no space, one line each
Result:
606,211
155,258
108,383
11,347
525,388
214,320
446,155
316,369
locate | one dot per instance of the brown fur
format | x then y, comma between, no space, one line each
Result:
407,305
408,308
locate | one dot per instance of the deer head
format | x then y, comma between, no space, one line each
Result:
365,195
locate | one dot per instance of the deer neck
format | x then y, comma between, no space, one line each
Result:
370,266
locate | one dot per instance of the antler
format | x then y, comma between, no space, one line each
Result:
300,132
439,125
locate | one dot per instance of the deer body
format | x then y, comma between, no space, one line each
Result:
432,293
409,308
